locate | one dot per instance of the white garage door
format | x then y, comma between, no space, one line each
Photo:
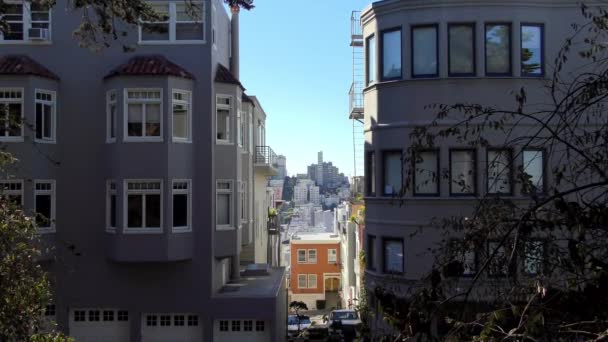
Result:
99,325
241,330
167,327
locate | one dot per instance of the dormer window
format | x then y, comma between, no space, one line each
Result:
27,22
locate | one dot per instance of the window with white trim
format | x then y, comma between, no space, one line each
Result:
181,205
111,206
312,256
12,190
182,115
259,325
45,116
332,255
223,204
223,107
143,119
243,199
301,256
181,22
302,281
26,22
240,124
11,114
44,205
312,281
111,109
143,206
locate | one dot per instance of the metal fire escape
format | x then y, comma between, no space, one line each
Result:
356,114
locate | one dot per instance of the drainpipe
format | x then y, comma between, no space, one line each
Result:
234,43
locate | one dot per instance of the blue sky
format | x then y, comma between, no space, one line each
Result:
296,58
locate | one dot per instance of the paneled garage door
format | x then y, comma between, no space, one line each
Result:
166,327
99,325
241,330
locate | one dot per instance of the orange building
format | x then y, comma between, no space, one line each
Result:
316,270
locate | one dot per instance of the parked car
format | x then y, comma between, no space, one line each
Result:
344,322
292,325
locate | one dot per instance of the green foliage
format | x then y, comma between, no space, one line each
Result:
53,337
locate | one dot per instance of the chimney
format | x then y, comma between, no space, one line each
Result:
234,43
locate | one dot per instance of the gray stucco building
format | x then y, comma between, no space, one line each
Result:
141,166
419,53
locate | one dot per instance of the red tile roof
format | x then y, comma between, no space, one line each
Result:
223,75
152,65
24,65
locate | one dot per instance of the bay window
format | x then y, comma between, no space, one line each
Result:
462,172
392,172
45,116
111,115
181,206
370,57
111,206
11,114
12,190
143,121
144,206
534,173
393,255
391,54
426,173
223,109
180,22
425,51
223,206
44,205
498,49
499,171
182,115
532,58
461,49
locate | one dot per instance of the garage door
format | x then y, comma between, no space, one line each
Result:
99,325
241,330
165,327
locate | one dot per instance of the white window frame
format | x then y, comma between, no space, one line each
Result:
240,134
51,228
305,256
230,192
8,101
310,278
125,116
309,258
53,104
305,277
27,24
228,107
332,258
250,123
10,192
243,202
111,100
188,104
127,192
173,25
109,192
188,193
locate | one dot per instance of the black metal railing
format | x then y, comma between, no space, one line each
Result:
265,155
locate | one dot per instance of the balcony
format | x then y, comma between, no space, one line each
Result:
355,95
265,161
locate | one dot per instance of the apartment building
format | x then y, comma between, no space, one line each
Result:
141,168
315,275
418,53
